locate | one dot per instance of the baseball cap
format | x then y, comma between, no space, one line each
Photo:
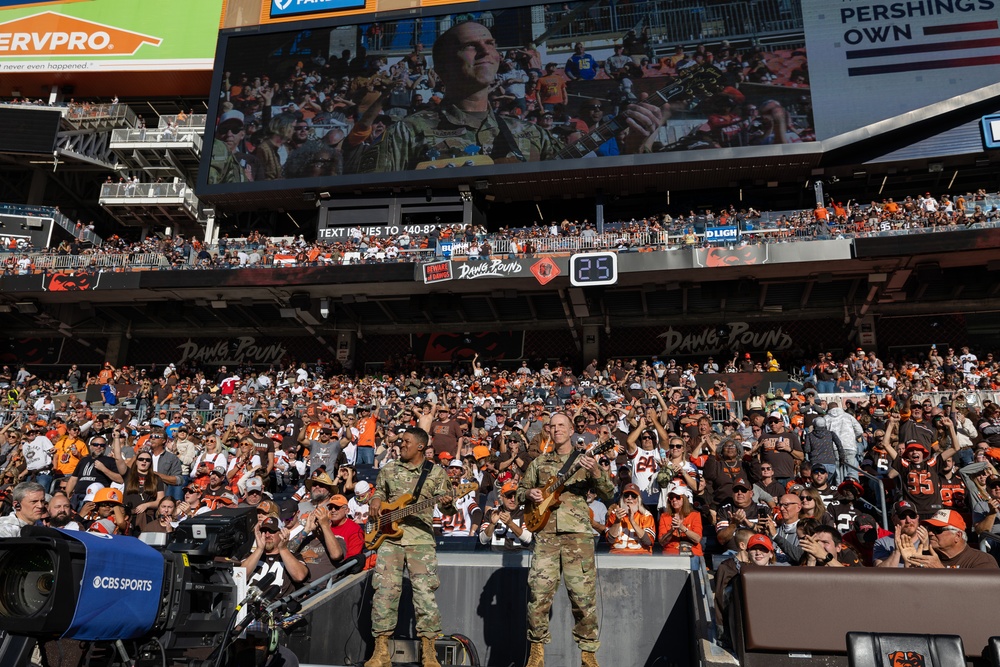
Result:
852,484
901,507
680,490
108,496
338,500
741,483
481,452
91,490
268,507
255,484
631,488
361,488
456,464
218,471
759,540
946,519
260,421
818,467
508,487
445,456
270,525
864,522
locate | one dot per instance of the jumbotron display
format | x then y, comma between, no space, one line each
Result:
396,101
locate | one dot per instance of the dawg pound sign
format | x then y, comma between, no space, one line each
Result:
496,268
707,341
243,348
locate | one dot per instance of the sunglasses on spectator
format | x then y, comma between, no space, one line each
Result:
606,464
269,530
677,446
805,498
192,490
510,494
937,530
252,491
629,495
144,460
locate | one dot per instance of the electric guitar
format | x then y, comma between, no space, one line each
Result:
386,526
699,83
537,515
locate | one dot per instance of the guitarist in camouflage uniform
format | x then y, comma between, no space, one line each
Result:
414,550
564,547
466,59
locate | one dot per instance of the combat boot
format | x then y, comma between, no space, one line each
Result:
380,656
428,653
537,656
589,659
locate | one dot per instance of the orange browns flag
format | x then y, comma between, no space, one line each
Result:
52,34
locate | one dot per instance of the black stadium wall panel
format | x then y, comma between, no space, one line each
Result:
31,131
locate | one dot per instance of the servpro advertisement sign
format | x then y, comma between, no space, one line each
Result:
109,35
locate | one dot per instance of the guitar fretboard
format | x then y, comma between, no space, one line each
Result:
694,81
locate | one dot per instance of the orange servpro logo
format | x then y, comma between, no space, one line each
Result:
52,34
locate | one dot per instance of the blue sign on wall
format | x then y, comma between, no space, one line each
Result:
298,7
722,234
991,131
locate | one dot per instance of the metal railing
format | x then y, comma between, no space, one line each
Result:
130,193
880,495
128,190
31,211
109,113
155,136
81,233
140,260
190,123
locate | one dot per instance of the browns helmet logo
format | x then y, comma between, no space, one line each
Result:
906,659
68,282
745,256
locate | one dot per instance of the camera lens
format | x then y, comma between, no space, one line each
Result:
27,579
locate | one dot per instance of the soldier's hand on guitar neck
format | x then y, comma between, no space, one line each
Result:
642,119
589,463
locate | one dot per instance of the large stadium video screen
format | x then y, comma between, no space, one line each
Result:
531,86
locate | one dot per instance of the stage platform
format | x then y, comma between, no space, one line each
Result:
648,609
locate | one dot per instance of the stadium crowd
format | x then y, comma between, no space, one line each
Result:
806,476
911,215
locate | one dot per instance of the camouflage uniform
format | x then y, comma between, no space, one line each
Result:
564,548
446,133
414,550
224,167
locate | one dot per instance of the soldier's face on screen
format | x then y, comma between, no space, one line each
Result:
473,56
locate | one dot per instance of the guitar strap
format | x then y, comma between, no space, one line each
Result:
508,138
574,455
424,471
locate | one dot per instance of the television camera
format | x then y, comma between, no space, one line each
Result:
135,604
